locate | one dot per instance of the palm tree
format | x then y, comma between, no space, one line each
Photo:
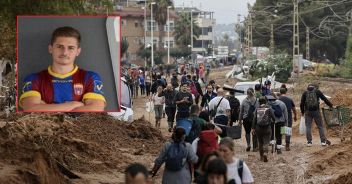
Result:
182,31
160,16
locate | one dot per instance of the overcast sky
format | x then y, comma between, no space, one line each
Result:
225,11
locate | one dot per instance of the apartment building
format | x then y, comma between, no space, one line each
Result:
132,28
205,20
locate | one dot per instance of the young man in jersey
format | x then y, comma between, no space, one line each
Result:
63,86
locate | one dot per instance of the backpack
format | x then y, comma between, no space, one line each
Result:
277,111
250,114
240,172
194,132
176,156
194,89
312,102
263,116
213,112
234,104
208,142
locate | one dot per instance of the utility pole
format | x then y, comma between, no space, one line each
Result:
249,35
307,45
250,38
272,42
239,31
296,65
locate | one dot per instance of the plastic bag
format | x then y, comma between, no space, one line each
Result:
149,106
286,130
302,126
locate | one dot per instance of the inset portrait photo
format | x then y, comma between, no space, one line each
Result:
68,63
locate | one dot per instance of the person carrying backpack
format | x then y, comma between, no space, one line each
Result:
248,106
235,107
220,111
279,110
197,124
310,110
237,169
178,157
261,126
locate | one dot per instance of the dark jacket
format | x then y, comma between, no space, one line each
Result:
206,98
170,97
319,95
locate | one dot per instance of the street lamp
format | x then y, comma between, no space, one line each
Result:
168,34
145,29
151,28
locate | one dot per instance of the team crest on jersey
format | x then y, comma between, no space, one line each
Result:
98,86
78,89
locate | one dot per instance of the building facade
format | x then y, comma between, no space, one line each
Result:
137,35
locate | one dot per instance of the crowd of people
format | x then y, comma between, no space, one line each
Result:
203,152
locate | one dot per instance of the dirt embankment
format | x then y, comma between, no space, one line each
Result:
44,148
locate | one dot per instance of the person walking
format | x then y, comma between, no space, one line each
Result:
142,83
237,169
221,111
235,107
310,110
290,105
148,83
279,110
196,89
261,126
183,101
248,106
178,157
170,106
158,99
208,95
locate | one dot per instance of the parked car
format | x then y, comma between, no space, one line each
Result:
243,86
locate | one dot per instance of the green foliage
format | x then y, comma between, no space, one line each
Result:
327,38
182,31
281,64
349,53
146,53
178,53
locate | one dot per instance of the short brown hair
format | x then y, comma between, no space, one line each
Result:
66,32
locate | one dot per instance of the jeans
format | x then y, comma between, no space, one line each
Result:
277,132
170,112
263,134
247,124
142,90
309,116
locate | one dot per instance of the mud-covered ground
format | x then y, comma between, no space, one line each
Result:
95,148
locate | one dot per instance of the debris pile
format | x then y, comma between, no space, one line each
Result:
49,148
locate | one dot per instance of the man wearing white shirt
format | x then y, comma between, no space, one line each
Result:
223,111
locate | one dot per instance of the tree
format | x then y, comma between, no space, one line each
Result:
328,29
182,31
349,52
160,16
178,53
225,40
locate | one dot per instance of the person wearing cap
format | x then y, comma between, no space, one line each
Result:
266,88
248,106
183,101
309,111
183,175
279,110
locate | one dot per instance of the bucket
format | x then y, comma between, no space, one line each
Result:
185,123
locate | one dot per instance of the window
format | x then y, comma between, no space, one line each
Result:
172,25
154,26
135,23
